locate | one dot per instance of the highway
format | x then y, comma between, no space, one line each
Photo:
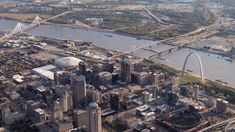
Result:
226,129
32,26
217,125
154,16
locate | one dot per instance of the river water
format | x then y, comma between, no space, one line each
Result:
215,67
7,1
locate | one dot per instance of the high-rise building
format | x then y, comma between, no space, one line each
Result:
172,98
105,78
167,86
39,115
57,111
221,105
111,67
10,116
82,68
89,120
78,84
96,96
146,96
114,100
65,101
156,78
81,120
94,115
195,91
125,70
184,90
61,77
141,78
115,77
31,106
155,91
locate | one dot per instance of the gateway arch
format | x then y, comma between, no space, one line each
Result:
200,64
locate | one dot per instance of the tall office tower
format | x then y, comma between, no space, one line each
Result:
65,101
221,105
82,68
156,79
155,91
81,120
115,77
109,67
195,92
104,78
78,84
146,96
56,78
96,96
172,98
94,115
125,70
61,77
114,100
57,111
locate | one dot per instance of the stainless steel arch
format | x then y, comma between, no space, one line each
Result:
200,63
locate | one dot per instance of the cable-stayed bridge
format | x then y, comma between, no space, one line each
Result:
20,27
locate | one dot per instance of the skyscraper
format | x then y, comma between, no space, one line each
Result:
114,100
94,115
221,105
57,111
195,92
115,77
96,96
82,68
172,98
104,78
81,120
65,101
78,84
155,91
61,77
90,119
125,70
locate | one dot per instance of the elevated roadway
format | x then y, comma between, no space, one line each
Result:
223,123
154,16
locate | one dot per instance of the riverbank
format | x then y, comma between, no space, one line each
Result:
77,27
211,52
22,17
102,30
215,68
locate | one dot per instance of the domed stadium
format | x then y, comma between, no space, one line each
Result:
67,62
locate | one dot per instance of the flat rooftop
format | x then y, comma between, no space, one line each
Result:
47,71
